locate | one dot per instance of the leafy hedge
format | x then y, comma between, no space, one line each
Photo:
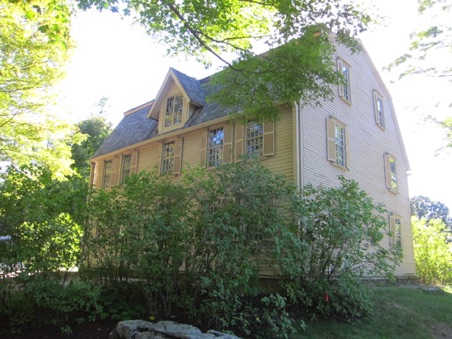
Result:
237,248
200,245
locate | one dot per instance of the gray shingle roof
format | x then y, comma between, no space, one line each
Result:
132,129
136,127
192,87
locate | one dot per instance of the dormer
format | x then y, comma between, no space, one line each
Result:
176,101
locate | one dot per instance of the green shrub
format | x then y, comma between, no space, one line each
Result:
340,232
432,251
42,302
198,247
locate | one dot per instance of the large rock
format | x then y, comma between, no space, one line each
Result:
140,329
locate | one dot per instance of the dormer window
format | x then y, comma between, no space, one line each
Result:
173,113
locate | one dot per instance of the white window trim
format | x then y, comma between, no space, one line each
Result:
332,123
391,178
107,174
125,172
379,116
173,113
211,148
167,167
255,140
395,236
345,92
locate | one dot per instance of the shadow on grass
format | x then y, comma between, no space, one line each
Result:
399,312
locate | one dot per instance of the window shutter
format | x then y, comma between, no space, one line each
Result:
99,174
388,174
331,142
347,149
239,142
203,148
134,162
227,143
114,171
269,138
92,169
159,160
177,165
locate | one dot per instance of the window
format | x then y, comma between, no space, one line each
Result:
168,158
344,87
108,171
215,147
173,114
391,173
254,139
338,150
378,110
395,231
125,167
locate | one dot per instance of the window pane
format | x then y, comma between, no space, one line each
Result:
168,158
393,168
346,74
398,233
339,133
215,147
125,170
108,167
380,112
174,107
255,139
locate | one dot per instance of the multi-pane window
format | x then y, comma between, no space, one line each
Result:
344,87
168,158
254,139
173,113
108,171
337,143
395,231
339,137
215,147
391,173
125,167
379,110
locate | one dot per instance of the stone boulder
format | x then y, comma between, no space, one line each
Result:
140,329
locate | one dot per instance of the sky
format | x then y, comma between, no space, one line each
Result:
117,60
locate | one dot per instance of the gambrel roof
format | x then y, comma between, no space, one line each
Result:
133,128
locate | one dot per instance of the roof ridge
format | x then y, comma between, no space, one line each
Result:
138,108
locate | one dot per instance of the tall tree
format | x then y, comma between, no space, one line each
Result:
424,208
229,30
34,42
96,129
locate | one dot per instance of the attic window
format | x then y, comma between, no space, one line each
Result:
173,114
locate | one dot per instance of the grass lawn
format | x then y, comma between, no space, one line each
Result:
399,312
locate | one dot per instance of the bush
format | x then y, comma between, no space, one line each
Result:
340,233
42,302
432,251
199,246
